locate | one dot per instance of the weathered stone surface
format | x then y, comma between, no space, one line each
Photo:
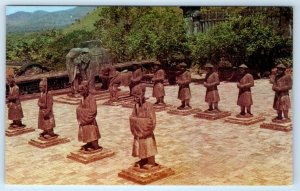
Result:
277,126
212,115
14,131
44,143
244,121
146,176
92,156
183,112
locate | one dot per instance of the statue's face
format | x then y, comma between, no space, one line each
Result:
83,90
280,71
209,69
139,98
242,70
42,88
134,67
11,83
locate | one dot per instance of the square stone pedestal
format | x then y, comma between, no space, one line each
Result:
183,112
161,107
212,115
86,157
14,131
44,143
244,120
283,125
145,176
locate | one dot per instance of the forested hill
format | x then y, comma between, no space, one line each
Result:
40,20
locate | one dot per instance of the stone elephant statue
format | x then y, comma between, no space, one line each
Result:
87,61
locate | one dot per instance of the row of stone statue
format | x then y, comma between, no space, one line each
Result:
282,83
143,120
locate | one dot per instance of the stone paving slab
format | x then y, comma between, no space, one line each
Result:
201,152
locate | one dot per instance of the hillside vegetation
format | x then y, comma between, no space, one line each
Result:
84,23
21,22
137,33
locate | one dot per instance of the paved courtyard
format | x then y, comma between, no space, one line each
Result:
200,152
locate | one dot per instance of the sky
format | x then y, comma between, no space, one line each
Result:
14,9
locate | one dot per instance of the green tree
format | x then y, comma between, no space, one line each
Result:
142,32
246,39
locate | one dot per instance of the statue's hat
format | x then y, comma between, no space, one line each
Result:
182,64
156,63
208,65
281,66
243,66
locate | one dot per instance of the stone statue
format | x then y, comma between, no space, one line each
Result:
137,76
183,80
142,125
118,79
158,79
15,112
87,61
106,73
86,116
46,120
245,97
211,82
281,85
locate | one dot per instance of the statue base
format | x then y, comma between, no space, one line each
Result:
247,120
161,107
118,101
184,112
44,143
14,131
86,157
278,125
75,99
212,115
146,176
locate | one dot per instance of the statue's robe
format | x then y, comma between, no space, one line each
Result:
137,76
15,111
183,80
46,118
142,125
282,99
245,96
158,79
86,117
212,94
